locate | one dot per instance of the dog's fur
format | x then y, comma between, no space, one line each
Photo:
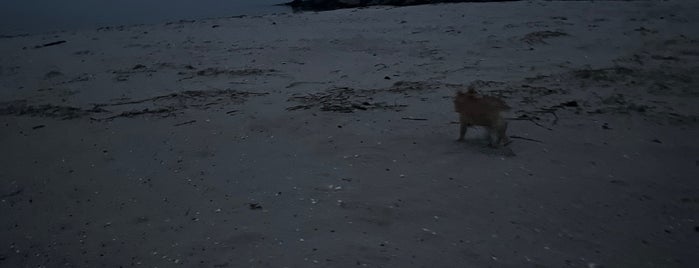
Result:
477,110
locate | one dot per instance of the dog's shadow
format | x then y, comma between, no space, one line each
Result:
483,146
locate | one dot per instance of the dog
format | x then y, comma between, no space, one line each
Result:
486,111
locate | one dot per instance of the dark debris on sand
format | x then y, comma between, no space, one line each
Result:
348,100
22,108
164,105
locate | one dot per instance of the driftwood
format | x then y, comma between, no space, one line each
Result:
319,5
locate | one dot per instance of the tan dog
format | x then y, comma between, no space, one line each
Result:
477,110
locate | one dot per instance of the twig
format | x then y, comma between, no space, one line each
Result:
135,101
416,119
530,120
537,123
13,193
185,123
133,113
526,139
51,44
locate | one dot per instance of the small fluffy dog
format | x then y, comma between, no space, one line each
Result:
477,110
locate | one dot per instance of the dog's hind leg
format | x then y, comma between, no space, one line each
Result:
502,133
462,131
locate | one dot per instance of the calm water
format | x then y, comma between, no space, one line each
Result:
38,16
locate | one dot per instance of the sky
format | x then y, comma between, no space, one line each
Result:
39,16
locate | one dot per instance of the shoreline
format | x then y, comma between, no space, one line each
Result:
86,15
128,26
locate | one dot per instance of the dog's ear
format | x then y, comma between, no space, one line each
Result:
472,90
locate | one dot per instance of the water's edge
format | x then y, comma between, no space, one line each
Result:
43,16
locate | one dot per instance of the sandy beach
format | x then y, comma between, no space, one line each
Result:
328,139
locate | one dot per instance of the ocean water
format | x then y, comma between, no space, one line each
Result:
40,16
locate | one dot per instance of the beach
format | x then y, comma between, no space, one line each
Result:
328,139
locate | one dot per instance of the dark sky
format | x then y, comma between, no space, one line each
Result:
36,16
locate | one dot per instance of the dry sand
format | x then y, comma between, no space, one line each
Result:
327,140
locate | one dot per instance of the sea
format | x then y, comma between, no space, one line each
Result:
18,17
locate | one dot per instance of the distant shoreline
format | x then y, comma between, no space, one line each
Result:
43,17
99,28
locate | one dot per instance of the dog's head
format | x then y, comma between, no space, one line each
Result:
461,100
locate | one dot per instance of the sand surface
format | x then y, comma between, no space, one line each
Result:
328,140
